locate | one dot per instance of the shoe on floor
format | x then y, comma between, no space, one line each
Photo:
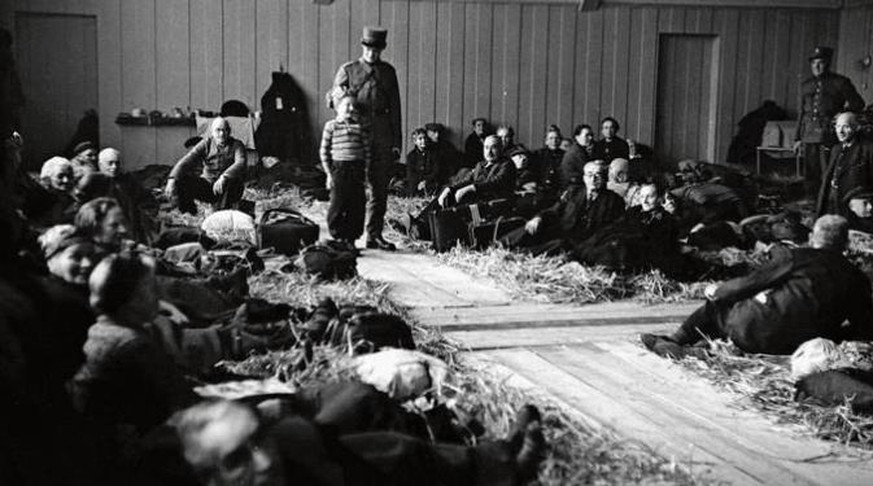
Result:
380,244
663,346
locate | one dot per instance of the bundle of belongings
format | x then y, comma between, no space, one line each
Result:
835,374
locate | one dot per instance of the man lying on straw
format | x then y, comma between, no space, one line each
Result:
809,294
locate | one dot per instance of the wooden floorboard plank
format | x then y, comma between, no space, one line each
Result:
550,336
417,281
702,400
672,426
703,419
616,415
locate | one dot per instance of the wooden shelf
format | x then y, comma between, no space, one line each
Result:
125,119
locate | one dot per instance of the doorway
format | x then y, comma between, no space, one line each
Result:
685,121
56,56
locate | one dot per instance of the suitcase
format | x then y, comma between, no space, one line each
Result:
285,230
448,227
486,233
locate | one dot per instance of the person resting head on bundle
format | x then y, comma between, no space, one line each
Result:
809,293
229,442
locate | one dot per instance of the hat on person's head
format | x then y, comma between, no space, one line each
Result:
434,127
821,52
518,150
375,37
862,192
83,146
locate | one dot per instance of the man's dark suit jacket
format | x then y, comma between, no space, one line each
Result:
575,219
808,294
572,166
493,181
853,169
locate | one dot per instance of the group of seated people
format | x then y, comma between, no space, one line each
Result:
434,162
602,202
104,326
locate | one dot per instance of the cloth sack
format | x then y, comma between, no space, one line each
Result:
230,225
402,373
817,355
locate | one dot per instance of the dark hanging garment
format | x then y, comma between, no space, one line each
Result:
284,128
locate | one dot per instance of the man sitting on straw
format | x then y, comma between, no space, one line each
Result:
809,294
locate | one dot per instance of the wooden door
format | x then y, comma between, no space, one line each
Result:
56,57
685,120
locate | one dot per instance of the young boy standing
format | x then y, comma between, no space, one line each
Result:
345,153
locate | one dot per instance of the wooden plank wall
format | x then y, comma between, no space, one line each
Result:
524,64
856,43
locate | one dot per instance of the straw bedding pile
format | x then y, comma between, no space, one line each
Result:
763,383
577,454
554,279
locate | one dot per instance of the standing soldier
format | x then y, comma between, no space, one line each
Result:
822,96
374,83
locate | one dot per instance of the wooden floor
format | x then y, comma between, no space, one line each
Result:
589,360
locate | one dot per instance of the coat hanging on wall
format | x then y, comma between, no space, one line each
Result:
284,129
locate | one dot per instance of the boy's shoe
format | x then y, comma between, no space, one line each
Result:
380,244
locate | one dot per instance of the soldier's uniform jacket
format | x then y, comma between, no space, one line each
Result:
821,99
378,96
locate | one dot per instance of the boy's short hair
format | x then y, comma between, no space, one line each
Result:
337,94
419,131
580,127
434,127
476,120
553,129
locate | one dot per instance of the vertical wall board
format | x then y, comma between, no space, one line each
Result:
727,27
594,62
138,86
443,60
648,75
172,76
239,51
566,57
483,62
799,66
450,71
327,64
172,61
779,76
271,44
470,64
496,87
206,54
620,82
427,68
632,122
413,68
606,106
539,86
395,17
109,69
690,118
526,70
755,77
551,52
